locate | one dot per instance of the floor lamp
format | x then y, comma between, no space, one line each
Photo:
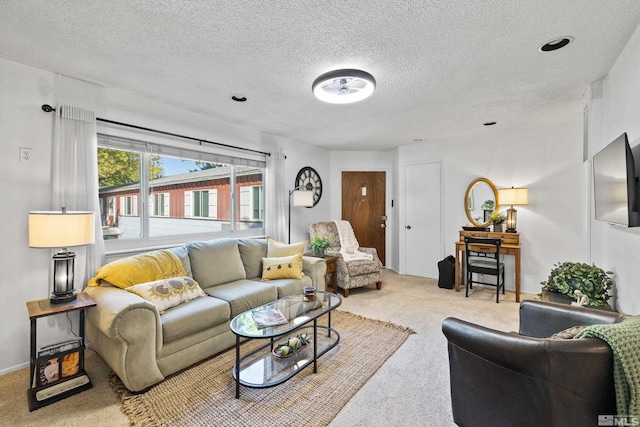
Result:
299,198
512,196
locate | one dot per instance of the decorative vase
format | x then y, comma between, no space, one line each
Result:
319,253
497,228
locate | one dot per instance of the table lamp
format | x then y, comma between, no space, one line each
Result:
512,196
64,229
302,198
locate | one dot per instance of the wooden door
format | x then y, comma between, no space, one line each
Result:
363,205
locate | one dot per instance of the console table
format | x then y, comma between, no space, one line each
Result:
510,246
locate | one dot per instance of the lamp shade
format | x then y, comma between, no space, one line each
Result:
302,198
52,229
513,196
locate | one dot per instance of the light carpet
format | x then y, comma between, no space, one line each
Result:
410,389
204,393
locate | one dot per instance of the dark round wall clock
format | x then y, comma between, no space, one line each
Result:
308,179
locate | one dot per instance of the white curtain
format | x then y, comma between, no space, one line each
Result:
276,197
74,171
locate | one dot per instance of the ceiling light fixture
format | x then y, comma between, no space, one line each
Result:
344,86
555,44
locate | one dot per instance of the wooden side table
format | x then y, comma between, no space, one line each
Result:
57,372
332,261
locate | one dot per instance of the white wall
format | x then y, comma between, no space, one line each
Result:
547,161
26,186
621,100
368,161
299,156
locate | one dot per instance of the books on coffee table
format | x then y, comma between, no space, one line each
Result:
268,317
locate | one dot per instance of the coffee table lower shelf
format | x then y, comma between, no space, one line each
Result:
261,368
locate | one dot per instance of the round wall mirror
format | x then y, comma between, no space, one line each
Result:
480,201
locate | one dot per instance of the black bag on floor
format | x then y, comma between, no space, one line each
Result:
447,269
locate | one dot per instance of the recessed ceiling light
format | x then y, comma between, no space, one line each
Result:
239,98
344,86
489,123
556,44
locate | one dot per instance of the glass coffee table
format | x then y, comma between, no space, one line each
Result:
262,367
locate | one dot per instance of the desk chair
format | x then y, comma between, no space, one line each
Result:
483,257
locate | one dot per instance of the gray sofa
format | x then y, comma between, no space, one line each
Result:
143,346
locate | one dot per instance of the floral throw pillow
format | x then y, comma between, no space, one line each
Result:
568,333
167,293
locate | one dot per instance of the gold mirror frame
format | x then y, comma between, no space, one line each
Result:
466,201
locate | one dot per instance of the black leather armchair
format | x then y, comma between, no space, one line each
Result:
509,379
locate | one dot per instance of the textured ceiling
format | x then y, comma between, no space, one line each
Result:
442,67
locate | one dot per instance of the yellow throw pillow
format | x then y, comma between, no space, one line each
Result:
167,293
288,267
142,268
278,249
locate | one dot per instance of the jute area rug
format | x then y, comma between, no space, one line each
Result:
204,395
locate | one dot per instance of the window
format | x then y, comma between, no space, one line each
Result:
201,203
129,205
251,203
111,206
151,191
159,204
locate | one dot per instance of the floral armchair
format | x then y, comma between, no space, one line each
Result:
351,274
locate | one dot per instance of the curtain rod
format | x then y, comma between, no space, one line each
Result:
48,108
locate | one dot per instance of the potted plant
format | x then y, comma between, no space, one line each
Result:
319,244
497,218
487,207
567,277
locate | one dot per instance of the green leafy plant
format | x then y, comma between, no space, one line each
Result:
319,244
592,281
497,218
488,205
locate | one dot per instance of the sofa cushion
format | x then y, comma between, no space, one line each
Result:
192,317
182,252
290,286
252,251
286,267
214,262
141,268
167,293
279,249
243,295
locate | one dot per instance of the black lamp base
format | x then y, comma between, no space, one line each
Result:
62,298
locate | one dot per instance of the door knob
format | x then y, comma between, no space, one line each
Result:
408,227
382,226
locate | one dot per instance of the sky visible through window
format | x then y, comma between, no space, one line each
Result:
174,166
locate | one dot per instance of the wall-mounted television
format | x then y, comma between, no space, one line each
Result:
615,184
